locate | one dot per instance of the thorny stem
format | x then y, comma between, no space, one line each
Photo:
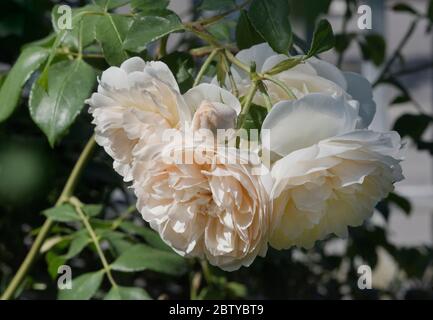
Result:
78,208
66,193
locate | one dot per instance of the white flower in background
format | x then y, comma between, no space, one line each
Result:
214,207
313,76
136,101
330,175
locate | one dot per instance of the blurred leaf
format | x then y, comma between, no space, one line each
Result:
246,35
151,237
271,21
142,257
50,243
373,48
83,287
401,202
213,5
62,213
92,210
403,7
127,293
323,38
147,29
54,261
412,125
430,11
236,289
182,66
69,84
343,40
111,30
222,30
400,99
116,239
28,61
80,240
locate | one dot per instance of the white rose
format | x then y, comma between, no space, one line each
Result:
214,207
312,76
330,175
136,101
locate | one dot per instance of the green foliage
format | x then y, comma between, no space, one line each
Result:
127,293
111,30
62,213
61,69
323,38
246,35
373,47
54,110
271,21
83,287
28,62
142,257
146,29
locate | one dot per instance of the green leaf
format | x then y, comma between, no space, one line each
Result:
237,290
182,66
412,125
116,239
223,30
151,237
54,261
246,35
343,40
79,242
83,25
284,65
92,210
149,5
28,61
401,202
213,5
403,7
83,287
127,293
62,213
146,29
111,30
255,117
373,48
142,257
271,21
323,38
111,4
430,11
69,84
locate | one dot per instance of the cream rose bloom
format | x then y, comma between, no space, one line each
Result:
213,207
137,100
329,175
312,76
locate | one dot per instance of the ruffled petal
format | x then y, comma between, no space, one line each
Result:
293,125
